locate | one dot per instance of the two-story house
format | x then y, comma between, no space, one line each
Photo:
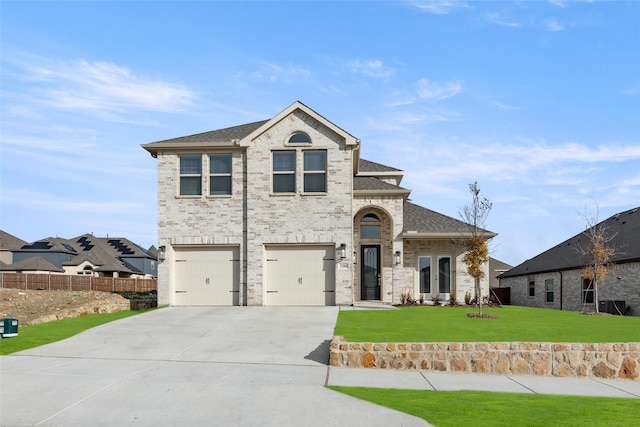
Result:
284,212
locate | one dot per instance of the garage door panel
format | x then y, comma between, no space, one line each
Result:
300,275
207,276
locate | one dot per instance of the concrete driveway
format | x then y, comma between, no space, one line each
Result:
227,366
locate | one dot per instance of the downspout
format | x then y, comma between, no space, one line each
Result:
561,293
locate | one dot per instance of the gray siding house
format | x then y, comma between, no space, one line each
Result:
555,279
285,212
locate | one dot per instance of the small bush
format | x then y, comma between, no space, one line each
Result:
436,299
452,299
467,298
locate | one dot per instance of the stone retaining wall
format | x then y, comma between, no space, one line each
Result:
602,360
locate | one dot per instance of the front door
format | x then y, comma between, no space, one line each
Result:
370,273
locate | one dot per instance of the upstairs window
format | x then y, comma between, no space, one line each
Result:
284,171
315,171
190,175
220,174
299,138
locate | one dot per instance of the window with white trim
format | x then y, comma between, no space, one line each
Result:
220,174
190,175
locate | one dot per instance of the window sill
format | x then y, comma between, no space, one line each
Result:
319,193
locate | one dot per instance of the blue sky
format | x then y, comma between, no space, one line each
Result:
537,101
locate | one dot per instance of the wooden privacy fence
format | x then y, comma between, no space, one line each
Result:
75,283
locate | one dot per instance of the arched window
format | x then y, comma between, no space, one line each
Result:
370,227
299,138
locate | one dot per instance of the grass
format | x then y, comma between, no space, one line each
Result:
478,409
450,324
46,333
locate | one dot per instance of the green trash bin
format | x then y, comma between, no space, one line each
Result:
9,327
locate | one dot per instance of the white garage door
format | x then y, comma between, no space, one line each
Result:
300,275
208,275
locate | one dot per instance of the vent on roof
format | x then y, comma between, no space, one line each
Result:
121,247
38,245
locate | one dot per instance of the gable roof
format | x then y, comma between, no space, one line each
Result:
349,139
107,254
568,255
32,264
421,222
372,185
10,242
222,137
367,166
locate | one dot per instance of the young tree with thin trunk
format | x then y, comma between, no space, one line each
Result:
597,252
475,214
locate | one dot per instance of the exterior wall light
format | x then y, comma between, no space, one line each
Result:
398,253
341,252
161,253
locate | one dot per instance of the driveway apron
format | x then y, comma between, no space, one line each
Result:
191,366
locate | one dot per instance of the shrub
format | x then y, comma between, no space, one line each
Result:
436,299
452,299
467,298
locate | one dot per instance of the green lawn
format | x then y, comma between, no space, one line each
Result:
478,409
45,333
450,324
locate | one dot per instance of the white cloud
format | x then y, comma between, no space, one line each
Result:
433,92
552,24
370,68
498,19
105,89
439,7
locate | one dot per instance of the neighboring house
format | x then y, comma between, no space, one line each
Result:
554,279
284,212
8,244
496,268
84,255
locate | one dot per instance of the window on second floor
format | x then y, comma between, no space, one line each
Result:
299,138
315,171
190,175
284,171
220,174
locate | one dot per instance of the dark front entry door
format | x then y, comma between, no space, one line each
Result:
370,274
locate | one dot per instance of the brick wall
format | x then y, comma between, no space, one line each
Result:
298,218
603,360
622,283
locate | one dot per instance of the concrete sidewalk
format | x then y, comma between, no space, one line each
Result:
432,380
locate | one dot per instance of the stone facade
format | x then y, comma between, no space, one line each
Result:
601,360
622,284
